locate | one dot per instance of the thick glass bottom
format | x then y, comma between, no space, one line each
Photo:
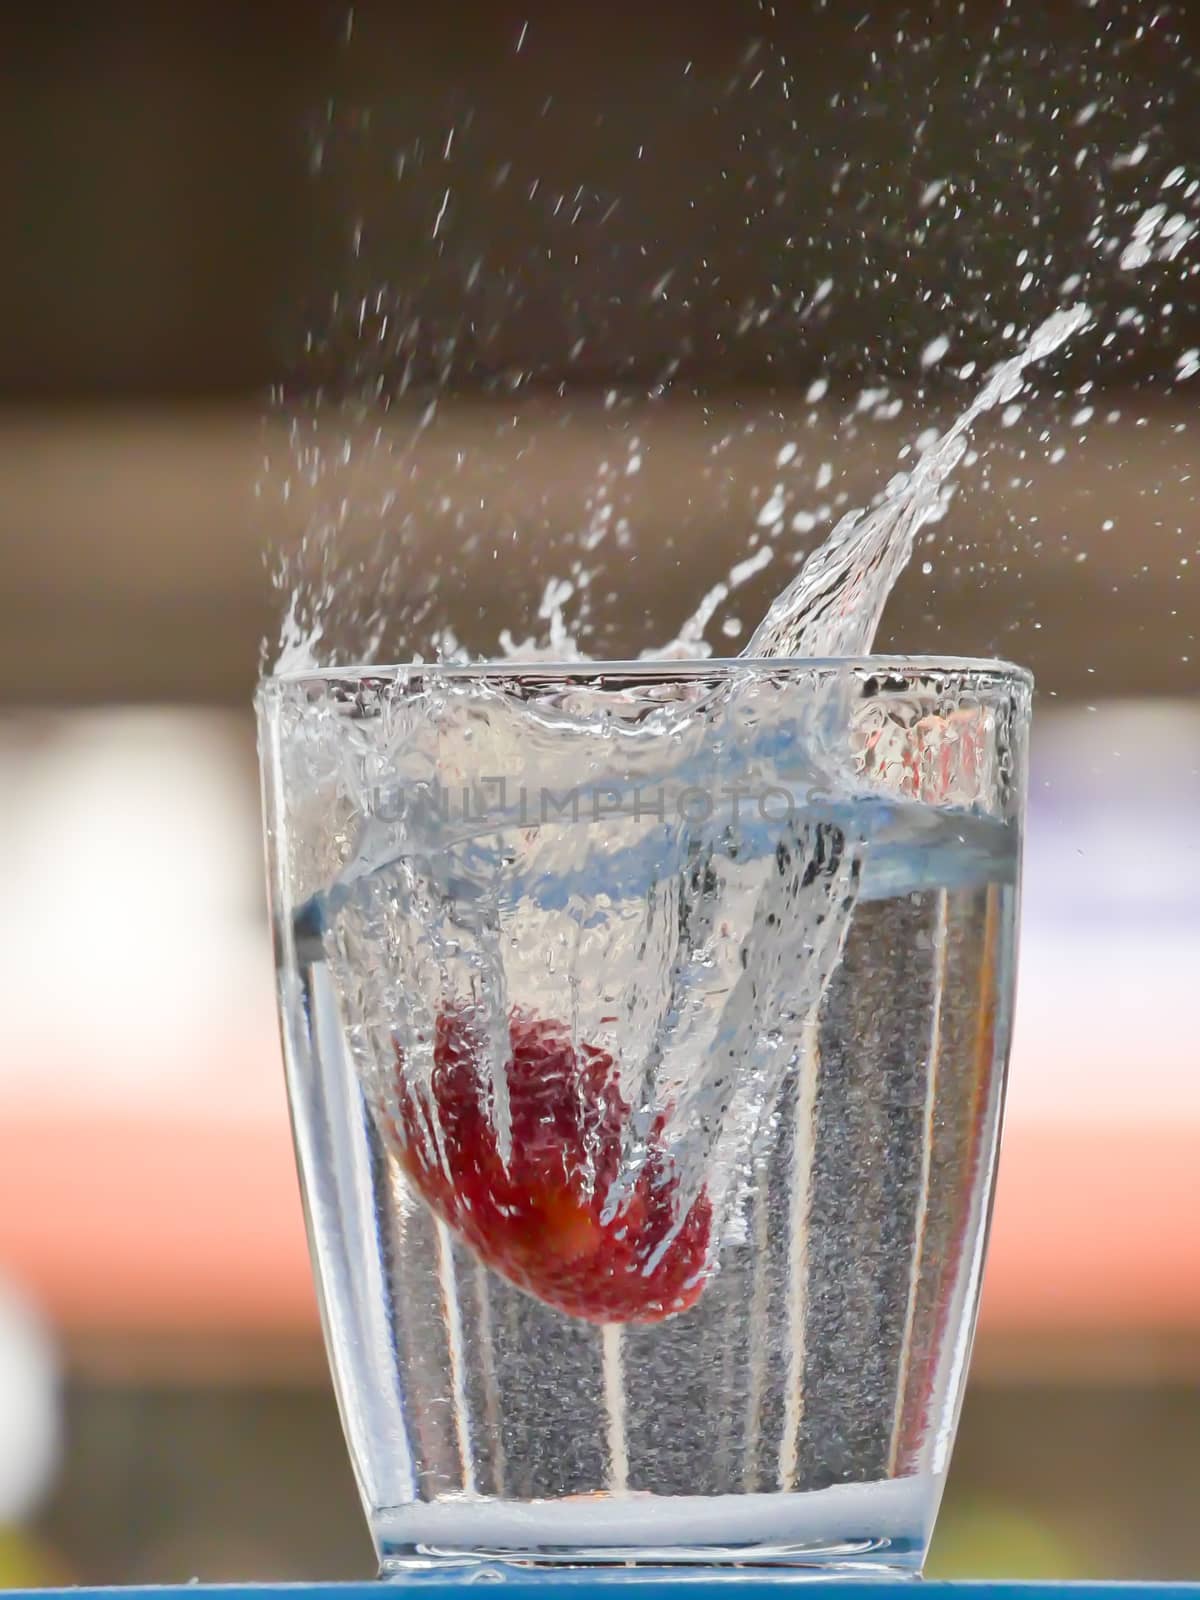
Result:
854,1529
885,1559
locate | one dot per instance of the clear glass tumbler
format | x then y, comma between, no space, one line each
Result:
646,1029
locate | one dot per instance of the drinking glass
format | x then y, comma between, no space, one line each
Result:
646,1028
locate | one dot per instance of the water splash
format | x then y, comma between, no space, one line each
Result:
834,606
521,301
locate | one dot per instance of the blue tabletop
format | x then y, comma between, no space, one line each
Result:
636,1585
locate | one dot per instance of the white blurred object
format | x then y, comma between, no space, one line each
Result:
1110,931
29,1413
136,957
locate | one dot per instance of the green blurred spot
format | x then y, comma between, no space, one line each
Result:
992,1539
26,1563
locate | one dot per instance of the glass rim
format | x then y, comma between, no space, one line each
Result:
965,668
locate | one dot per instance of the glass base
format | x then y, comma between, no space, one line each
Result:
885,1559
852,1529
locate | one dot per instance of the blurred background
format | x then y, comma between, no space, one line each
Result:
244,248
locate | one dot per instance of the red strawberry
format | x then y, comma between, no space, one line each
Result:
537,1221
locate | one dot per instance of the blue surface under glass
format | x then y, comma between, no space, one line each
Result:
635,1585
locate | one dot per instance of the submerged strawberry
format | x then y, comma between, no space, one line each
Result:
537,1220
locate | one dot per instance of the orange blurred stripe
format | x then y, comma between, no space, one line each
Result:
1096,1228
162,1225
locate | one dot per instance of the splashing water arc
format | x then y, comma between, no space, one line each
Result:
833,607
